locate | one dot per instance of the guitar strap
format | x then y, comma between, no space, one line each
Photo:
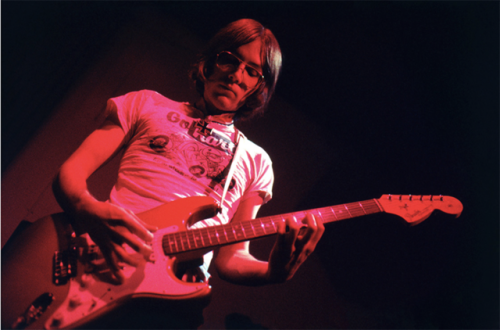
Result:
240,141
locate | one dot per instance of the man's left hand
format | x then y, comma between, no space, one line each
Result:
295,242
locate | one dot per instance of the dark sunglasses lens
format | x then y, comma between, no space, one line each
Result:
226,59
228,62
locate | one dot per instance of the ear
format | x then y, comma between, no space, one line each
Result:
203,71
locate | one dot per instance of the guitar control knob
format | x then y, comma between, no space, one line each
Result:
57,320
86,280
75,301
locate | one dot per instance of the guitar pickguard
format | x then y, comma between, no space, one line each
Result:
92,292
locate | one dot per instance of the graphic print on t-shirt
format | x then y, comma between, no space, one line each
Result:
192,149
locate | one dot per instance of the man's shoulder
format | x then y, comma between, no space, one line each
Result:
150,101
158,98
255,151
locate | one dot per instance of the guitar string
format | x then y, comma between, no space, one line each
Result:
354,210
247,225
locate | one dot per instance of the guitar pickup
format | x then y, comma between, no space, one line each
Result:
64,265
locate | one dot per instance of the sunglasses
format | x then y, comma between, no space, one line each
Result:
228,62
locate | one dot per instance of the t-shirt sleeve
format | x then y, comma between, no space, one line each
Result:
127,108
262,183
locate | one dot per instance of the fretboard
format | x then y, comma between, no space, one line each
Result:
210,237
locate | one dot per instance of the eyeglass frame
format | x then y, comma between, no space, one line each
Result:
261,75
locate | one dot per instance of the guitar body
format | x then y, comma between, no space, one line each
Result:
27,270
27,267
53,279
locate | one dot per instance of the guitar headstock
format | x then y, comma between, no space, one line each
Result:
416,208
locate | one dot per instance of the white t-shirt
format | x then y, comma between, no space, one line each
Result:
171,153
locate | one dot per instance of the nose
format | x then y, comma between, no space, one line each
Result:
237,75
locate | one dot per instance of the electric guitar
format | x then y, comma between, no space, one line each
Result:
50,279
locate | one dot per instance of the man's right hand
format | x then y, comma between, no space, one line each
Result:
111,226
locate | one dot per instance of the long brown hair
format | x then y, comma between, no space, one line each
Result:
231,37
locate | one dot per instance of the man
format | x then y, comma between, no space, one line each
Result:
176,150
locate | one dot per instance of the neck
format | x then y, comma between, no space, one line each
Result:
217,114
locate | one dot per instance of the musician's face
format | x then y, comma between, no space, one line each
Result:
228,90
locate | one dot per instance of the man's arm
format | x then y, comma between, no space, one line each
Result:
108,225
293,245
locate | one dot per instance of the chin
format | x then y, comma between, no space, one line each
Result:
225,105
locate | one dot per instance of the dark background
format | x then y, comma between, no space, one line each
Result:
407,93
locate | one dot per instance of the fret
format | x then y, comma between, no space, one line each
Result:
272,221
342,214
172,244
361,209
271,225
213,236
165,244
356,210
259,231
209,238
253,229
217,235
248,229
361,205
225,234
175,241
229,232
266,226
243,230
333,212
318,213
201,236
220,233
234,233
179,239
299,215
345,205
166,247
194,238
199,239
187,239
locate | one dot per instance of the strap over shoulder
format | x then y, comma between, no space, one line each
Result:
240,142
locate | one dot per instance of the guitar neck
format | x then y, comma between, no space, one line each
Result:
214,236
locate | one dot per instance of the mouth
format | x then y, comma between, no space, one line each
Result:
227,88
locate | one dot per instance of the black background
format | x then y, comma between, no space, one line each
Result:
407,91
